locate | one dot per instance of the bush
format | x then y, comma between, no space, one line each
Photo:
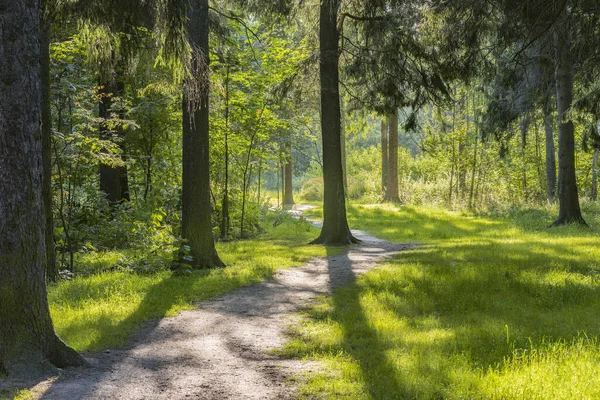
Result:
312,189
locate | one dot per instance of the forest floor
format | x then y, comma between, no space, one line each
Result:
225,348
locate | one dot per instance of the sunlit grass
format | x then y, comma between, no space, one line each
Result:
102,310
499,308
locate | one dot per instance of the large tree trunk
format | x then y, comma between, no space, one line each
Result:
569,210
288,198
550,156
335,230
392,185
384,156
28,345
196,225
51,266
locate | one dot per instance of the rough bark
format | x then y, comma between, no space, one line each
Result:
196,225
384,156
51,266
569,211
550,157
29,348
288,198
392,185
335,230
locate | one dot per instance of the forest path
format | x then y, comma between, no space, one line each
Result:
221,349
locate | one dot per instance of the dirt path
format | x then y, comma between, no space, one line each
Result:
220,350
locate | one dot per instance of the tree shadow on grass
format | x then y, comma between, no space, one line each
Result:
380,375
430,323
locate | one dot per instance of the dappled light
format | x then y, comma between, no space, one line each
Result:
459,315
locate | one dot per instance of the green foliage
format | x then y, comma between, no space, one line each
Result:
102,310
485,307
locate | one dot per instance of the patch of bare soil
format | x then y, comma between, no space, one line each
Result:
221,350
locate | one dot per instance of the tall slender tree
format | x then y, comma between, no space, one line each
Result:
384,157
288,195
29,346
391,193
335,230
568,197
196,224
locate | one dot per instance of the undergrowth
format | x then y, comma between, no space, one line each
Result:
112,297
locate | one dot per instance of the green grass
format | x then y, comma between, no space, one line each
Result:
486,307
102,310
15,394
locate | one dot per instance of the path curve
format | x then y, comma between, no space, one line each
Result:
221,350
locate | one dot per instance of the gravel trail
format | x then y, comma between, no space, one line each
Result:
221,349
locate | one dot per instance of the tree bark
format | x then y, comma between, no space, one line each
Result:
225,221
196,224
288,198
343,143
113,179
550,156
335,230
569,210
384,157
29,348
51,266
392,185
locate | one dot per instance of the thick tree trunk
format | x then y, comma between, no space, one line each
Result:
28,345
335,230
288,198
550,156
384,156
196,225
569,210
392,185
51,266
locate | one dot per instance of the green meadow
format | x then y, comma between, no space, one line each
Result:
486,307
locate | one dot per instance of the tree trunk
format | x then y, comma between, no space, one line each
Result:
225,221
550,156
524,130
196,224
28,345
594,193
110,176
392,185
384,157
335,230
569,210
343,143
288,198
51,266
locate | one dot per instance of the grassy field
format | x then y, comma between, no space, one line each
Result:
486,307
103,309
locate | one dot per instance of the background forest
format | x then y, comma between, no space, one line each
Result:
176,136
113,104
